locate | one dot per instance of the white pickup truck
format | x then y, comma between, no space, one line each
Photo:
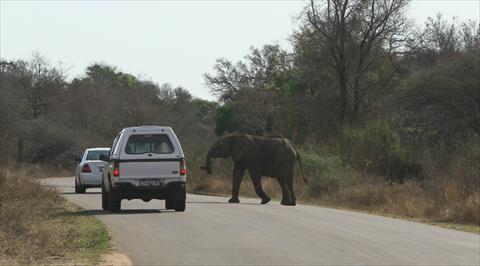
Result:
145,162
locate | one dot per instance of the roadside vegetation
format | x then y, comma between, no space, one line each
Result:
437,198
386,113
39,227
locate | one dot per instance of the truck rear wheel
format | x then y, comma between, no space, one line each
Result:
177,205
104,199
169,205
114,200
177,198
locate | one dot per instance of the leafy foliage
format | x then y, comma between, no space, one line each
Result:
444,101
377,149
50,120
327,173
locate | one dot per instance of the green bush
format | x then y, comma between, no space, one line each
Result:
225,120
326,173
376,149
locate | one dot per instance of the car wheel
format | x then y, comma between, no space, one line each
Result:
104,199
114,201
77,187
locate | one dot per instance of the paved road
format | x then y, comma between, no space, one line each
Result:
212,232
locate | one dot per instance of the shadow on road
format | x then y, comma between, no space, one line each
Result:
102,212
127,211
58,186
71,193
220,202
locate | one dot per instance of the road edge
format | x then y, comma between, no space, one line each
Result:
110,256
452,226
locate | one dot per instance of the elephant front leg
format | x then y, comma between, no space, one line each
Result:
238,172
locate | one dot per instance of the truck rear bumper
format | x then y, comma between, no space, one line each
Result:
174,190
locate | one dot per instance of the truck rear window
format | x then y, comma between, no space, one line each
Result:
152,143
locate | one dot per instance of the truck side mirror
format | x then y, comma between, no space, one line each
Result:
78,160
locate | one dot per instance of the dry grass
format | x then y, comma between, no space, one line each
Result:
410,200
38,226
37,171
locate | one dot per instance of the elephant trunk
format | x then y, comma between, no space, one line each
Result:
208,163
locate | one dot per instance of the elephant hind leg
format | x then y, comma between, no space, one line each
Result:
290,189
257,184
286,195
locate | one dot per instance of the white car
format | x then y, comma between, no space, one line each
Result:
145,162
88,172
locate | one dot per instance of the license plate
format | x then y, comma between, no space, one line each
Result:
149,182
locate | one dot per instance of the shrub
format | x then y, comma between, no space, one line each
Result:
376,149
326,173
464,167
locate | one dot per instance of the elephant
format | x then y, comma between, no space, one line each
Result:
261,156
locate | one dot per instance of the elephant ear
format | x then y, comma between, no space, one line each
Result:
241,144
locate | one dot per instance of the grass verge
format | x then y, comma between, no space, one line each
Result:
38,226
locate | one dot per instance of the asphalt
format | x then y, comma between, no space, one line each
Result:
213,232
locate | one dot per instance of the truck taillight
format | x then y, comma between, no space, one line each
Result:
116,169
86,169
183,167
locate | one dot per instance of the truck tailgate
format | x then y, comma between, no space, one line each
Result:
150,169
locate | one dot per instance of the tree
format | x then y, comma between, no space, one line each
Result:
441,40
257,70
444,101
30,87
440,99
355,32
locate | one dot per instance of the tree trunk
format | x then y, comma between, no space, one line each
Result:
342,79
357,98
20,145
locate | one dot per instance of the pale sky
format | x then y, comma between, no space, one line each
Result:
163,41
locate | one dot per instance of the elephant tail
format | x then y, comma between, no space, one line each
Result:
301,164
301,168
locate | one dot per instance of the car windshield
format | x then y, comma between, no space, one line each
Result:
151,143
95,155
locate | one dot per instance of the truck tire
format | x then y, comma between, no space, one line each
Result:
177,198
105,204
179,205
169,204
114,200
